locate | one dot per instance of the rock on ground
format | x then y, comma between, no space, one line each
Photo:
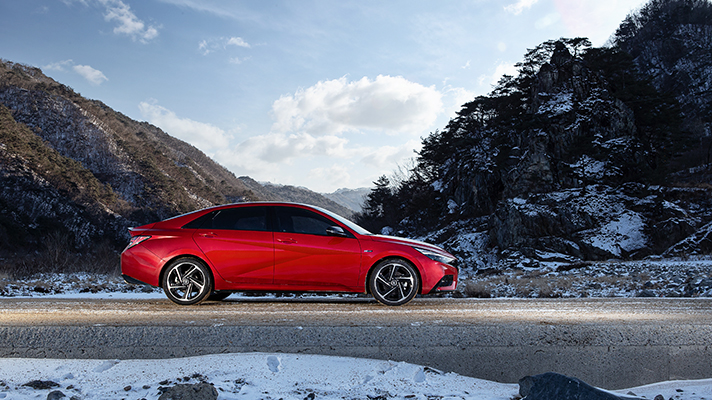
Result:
198,391
560,387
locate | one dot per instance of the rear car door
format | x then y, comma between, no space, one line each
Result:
239,243
307,258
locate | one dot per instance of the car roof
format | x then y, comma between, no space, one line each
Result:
245,204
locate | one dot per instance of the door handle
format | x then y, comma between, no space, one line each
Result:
207,234
287,241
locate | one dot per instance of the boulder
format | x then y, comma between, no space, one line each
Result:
41,385
551,385
56,395
198,391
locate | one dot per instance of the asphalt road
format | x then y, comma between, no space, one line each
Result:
612,343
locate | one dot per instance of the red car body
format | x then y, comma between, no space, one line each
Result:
276,247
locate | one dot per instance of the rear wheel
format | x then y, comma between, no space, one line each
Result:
394,282
187,281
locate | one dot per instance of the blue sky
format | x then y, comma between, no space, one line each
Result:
321,94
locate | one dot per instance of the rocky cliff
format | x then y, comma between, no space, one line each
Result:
671,43
587,154
588,180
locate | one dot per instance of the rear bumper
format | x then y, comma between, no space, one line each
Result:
139,264
133,281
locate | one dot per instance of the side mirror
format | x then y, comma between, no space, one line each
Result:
336,231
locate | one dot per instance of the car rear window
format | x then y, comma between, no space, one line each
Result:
238,218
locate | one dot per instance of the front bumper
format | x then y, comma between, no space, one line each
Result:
448,283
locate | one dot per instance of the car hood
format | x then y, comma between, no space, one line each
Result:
407,242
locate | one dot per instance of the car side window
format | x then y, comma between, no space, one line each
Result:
200,221
240,219
299,220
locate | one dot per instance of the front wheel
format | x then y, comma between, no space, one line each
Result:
187,281
394,282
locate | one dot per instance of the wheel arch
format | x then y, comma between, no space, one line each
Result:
193,256
412,264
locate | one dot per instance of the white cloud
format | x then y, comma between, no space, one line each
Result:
59,66
237,60
94,76
206,137
238,41
220,10
208,46
503,68
334,175
282,148
299,159
547,21
307,144
385,157
309,127
391,104
128,23
204,47
285,158
595,19
456,97
518,7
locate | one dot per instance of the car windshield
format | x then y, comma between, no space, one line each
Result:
351,225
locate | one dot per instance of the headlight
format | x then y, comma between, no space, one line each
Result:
435,256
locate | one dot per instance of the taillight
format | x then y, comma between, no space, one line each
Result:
136,240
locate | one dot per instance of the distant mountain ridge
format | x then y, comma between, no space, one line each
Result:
294,194
351,198
73,168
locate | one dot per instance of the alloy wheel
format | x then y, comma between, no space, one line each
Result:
187,281
394,282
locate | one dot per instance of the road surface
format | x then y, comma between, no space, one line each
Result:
612,343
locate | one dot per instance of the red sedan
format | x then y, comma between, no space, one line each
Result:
280,247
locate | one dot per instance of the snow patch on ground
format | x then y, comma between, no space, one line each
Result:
245,376
273,376
75,285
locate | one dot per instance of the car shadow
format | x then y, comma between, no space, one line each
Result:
298,298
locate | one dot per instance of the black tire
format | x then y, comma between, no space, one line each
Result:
219,295
187,281
394,282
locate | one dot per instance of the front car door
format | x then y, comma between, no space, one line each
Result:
308,258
